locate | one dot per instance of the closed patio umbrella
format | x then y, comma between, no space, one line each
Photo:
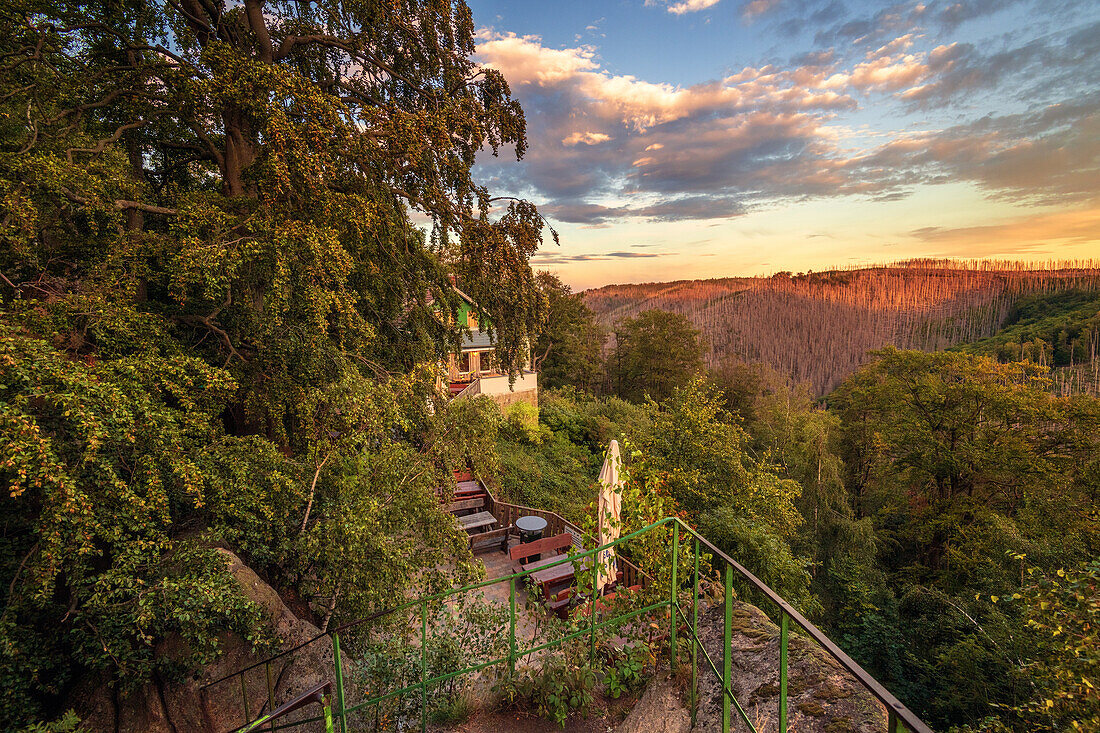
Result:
610,504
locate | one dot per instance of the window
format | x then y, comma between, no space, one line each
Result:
488,362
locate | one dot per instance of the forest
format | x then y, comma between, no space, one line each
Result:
937,513
819,327
221,326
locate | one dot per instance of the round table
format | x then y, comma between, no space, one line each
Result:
530,528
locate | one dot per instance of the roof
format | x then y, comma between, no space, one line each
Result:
477,340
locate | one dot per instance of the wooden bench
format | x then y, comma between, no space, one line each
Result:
495,538
468,488
466,504
555,545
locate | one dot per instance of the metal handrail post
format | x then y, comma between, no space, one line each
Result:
512,627
783,672
244,697
339,683
695,638
592,610
423,667
327,711
727,652
270,692
673,597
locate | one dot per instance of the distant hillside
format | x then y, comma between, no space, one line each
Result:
819,327
1060,330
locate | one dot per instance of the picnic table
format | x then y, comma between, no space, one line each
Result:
555,575
474,522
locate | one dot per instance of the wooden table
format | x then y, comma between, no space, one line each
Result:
477,521
552,576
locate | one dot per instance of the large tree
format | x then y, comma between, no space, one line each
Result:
214,304
656,352
246,171
968,469
569,350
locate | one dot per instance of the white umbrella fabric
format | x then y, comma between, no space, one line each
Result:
610,505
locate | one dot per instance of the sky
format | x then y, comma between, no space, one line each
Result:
676,139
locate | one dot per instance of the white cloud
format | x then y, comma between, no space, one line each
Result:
691,6
588,138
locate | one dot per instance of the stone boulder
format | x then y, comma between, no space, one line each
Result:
822,696
163,706
660,710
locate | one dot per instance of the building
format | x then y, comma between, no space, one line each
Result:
474,369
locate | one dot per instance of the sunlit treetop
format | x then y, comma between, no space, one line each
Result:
238,178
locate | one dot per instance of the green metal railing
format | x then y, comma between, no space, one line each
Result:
899,718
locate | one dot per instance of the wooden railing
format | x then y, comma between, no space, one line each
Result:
473,389
556,524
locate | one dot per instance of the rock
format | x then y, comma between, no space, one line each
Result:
660,710
161,706
822,697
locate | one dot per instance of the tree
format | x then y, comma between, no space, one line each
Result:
964,466
699,454
218,316
1063,609
569,349
655,353
246,173
944,438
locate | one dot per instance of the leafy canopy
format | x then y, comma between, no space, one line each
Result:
218,316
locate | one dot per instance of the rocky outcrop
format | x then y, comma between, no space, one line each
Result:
660,710
162,706
822,697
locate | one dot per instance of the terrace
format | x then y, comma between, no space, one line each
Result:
495,538
560,585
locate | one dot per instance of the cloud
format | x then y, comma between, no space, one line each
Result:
755,8
555,258
1019,236
691,6
631,148
588,138
671,209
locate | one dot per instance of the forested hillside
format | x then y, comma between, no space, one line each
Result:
819,327
946,532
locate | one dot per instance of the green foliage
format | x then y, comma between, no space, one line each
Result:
67,723
626,670
555,689
768,555
523,421
699,452
956,459
554,467
462,632
1062,608
569,349
99,462
655,353
379,535
566,679
219,325
1057,329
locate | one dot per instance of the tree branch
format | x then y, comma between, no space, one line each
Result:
312,489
